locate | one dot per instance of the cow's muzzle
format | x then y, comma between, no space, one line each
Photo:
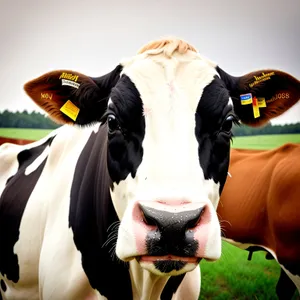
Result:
171,232
171,235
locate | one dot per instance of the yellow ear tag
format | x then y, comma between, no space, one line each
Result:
255,106
70,109
261,102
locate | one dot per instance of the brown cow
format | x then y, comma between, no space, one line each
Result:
260,208
14,141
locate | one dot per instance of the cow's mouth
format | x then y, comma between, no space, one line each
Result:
187,259
168,264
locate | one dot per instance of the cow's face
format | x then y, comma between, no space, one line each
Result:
169,128
168,114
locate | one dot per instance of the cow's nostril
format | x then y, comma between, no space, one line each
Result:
170,221
195,219
147,216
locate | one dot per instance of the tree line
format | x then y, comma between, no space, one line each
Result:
26,119
34,119
243,130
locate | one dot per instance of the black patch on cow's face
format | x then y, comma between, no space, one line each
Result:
171,287
12,204
212,131
91,214
126,130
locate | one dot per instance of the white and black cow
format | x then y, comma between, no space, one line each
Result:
119,204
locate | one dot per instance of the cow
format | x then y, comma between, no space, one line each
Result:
259,208
15,141
120,202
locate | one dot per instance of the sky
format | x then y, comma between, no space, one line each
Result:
91,37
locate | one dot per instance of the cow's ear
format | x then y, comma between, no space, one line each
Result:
71,97
262,95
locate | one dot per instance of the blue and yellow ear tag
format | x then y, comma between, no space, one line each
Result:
256,103
246,99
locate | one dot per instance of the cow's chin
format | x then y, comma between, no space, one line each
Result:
168,265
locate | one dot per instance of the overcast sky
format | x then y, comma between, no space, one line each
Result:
91,37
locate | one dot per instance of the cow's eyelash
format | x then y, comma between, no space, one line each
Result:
236,120
104,117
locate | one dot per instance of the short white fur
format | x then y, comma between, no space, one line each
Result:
170,90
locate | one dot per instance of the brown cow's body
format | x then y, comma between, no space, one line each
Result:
260,206
14,141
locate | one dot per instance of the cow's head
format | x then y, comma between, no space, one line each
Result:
168,113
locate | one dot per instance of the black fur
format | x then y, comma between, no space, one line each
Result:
12,204
171,287
285,288
125,150
91,214
214,143
93,95
3,286
166,266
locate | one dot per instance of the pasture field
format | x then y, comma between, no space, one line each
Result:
233,276
253,142
24,133
264,141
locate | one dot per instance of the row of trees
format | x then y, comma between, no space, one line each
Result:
243,130
34,119
25,119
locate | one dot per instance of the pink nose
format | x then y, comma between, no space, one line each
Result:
171,229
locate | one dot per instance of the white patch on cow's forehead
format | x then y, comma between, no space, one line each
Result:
153,76
170,90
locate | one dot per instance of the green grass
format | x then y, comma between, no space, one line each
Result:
233,276
24,133
264,141
253,142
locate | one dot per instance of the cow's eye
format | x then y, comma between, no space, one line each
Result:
113,124
227,124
